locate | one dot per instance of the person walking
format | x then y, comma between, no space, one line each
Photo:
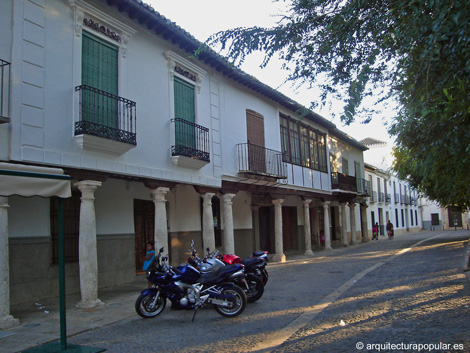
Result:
375,231
390,230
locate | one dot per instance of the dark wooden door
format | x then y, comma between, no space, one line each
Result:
144,225
289,228
266,226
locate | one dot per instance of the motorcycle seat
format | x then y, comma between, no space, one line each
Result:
216,276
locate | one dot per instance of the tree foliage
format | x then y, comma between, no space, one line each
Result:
414,51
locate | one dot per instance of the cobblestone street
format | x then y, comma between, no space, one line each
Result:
380,296
418,301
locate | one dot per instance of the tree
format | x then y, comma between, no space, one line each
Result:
414,51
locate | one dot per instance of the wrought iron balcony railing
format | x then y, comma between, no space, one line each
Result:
191,140
373,197
106,115
4,91
258,160
343,182
363,187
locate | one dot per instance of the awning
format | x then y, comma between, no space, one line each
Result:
25,180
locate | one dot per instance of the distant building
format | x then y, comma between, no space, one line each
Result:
378,159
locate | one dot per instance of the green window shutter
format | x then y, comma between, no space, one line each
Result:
185,131
184,100
100,71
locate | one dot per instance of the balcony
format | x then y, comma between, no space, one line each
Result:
388,198
343,182
363,187
257,160
4,91
107,123
397,198
381,197
373,197
191,144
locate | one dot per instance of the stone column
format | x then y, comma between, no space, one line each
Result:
87,247
228,237
6,320
161,226
326,212
208,235
364,226
307,230
352,216
344,225
279,248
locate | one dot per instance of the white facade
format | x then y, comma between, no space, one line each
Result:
437,218
392,199
130,181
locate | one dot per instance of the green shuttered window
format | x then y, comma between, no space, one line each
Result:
185,110
100,71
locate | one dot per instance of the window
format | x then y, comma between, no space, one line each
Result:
185,115
100,72
345,166
294,142
71,227
302,145
184,100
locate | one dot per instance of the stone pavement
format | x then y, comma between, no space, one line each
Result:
39,322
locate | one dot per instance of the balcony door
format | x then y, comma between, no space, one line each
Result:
99,71
256,148
185,115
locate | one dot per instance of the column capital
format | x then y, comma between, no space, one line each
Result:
158,194
92,184
307,202
352,204
207,197
277,202
325,204
4,202
88,188
226,198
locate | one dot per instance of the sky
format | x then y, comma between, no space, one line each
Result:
202,18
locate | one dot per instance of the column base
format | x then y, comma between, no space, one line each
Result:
345,245
328,248
8,322
365,240
309,253
89,304
279,258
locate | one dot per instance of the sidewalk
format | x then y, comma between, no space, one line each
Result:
40,323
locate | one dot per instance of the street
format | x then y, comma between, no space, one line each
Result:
403,295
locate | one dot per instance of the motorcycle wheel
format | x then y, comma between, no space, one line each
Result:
145,306
255,288
238,302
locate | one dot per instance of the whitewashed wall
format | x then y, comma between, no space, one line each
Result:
46,54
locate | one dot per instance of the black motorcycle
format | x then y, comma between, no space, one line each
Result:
187,288
251,283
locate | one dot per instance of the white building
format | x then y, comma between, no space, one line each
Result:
391,199
161,146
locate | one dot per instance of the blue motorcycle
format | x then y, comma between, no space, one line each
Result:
187,288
